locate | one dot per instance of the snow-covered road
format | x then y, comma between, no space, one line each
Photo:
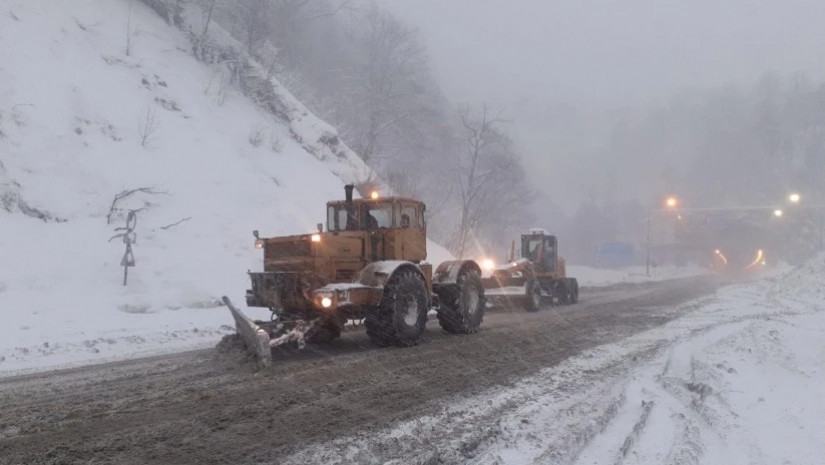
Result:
738,379
212,406
676,372
100,326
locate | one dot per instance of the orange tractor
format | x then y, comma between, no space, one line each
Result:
539,275
369,264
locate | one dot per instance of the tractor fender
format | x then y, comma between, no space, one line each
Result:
449,271
377,274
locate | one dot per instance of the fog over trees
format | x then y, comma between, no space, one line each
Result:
367,72
725,147
617,104
583,141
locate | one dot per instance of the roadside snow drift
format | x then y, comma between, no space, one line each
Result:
590,276
81,121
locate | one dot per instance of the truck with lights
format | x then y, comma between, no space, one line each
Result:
368,265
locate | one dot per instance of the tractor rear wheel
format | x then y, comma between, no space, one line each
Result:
400,317
533,297
568,291
462,310
574,290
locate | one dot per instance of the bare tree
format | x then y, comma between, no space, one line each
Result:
147,127
129,31
403,184
256,135
255,20
391,61
490,178
208,12
292,18
115,209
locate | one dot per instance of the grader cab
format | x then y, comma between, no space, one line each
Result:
368,265
540,274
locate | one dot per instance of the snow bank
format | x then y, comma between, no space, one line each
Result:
594,277
744,388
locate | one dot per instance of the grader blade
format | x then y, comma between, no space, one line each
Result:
255,338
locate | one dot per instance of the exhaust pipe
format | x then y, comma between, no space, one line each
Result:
348,191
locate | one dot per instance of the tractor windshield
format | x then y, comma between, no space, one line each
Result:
531,248
343,217
377,215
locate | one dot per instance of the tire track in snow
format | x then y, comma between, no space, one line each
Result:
563,414
547,418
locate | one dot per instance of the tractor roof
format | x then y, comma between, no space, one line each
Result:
369,200
538,232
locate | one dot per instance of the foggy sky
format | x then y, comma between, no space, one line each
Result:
612,51
608,53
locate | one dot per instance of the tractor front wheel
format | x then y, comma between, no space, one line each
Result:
400,317
533,297
573,284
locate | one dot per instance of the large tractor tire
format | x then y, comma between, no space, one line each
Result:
462,310
568,291
574,290
400,318
532,302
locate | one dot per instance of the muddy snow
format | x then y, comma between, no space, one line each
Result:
736,379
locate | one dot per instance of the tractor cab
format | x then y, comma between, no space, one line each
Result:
375,214
541,249
392,228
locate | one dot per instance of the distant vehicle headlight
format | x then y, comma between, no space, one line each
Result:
316,238
488,264
326,302
259,243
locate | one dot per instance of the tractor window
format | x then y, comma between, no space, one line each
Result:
409,217
531,249
549,253
377,215
548,246
339,220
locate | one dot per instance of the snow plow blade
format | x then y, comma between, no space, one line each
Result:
255,338
508,298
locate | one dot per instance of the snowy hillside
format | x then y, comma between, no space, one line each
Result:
82,121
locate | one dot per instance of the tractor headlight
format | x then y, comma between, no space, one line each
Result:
259,243
488,264
316,238
325,299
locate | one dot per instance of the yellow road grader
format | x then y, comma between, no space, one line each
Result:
539,275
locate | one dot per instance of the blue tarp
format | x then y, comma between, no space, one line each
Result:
615,254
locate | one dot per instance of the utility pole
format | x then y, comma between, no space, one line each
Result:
648,242
671,203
